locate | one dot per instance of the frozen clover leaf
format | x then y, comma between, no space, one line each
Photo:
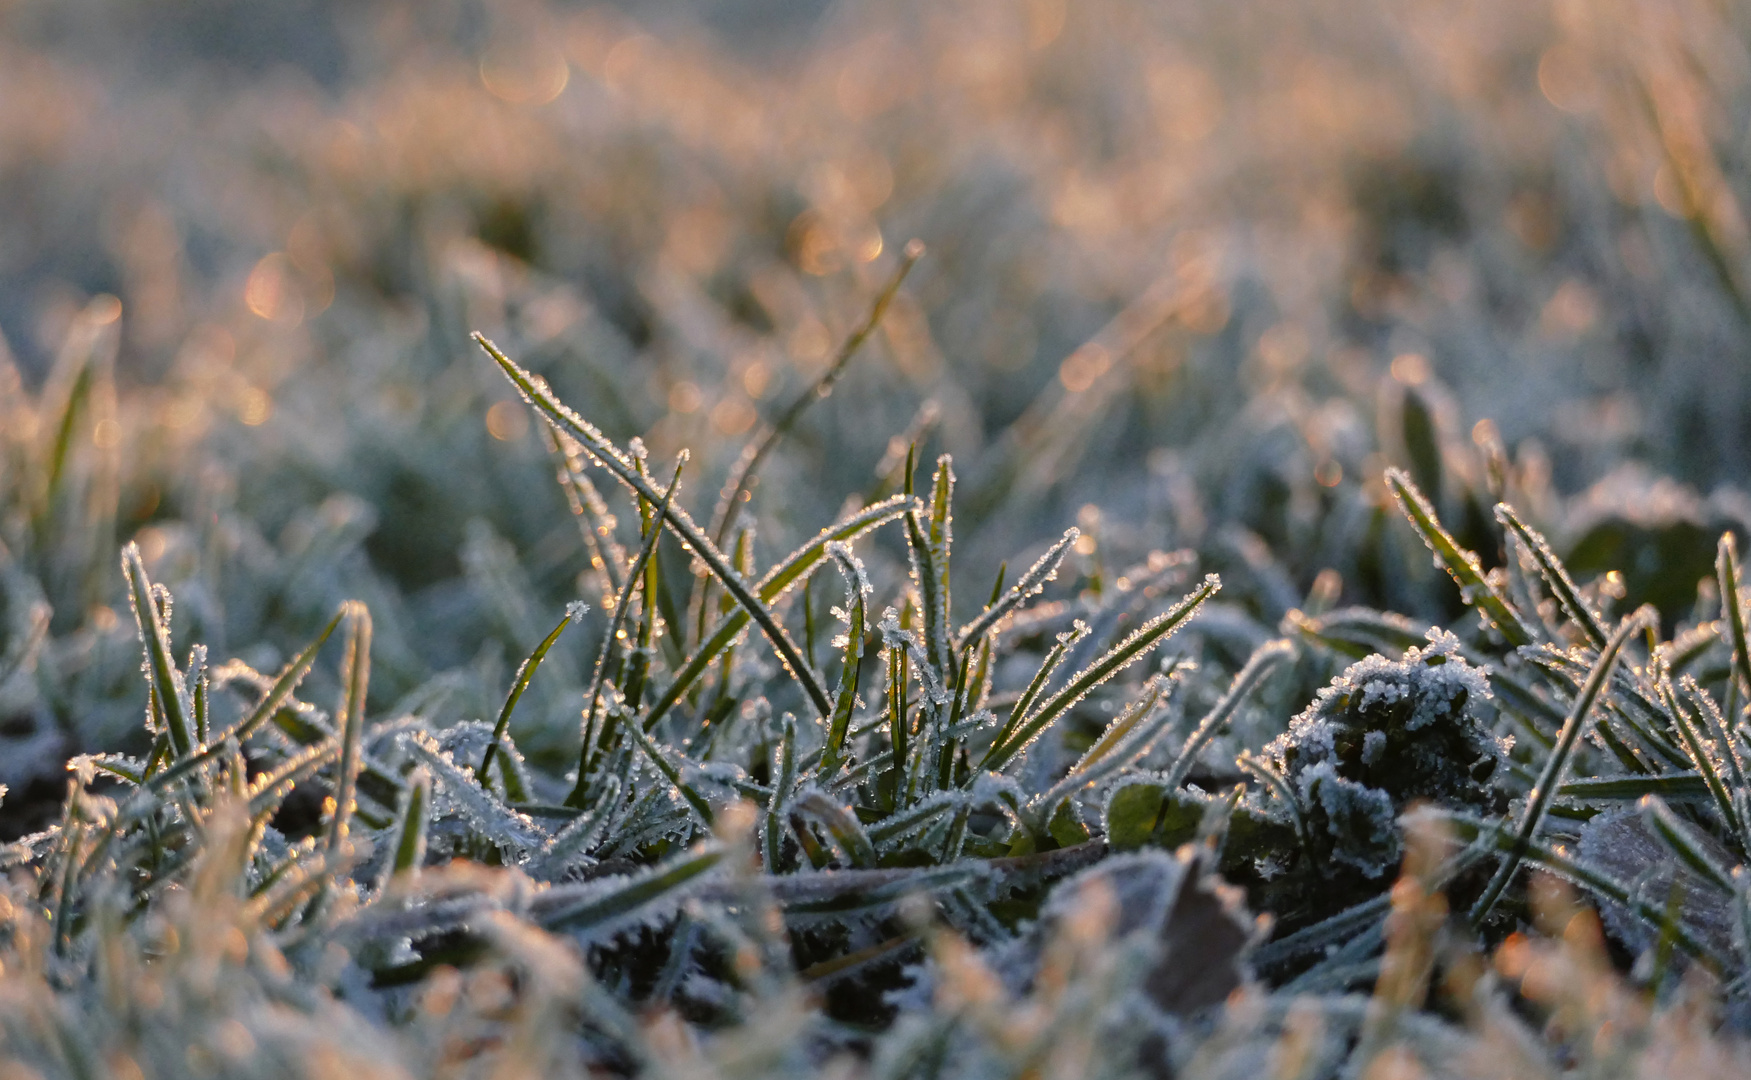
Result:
1382,735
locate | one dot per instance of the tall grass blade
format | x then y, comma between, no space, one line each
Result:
749,463
1110,663
598,446
349,720
1550,779
520,682
161,669
1461,565
1555,575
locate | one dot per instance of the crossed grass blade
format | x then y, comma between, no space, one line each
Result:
1105,667
1461,565
1538,802
674,517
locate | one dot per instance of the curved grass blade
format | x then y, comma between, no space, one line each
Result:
598,446
1263,661
410,827
1679,837
355,678
634,577
606,905
596,522
750,461
1461,565
525,672
781,578
1110,663
856,586
1696,746
1558,861
161,670
841,824
1555,575
1550,779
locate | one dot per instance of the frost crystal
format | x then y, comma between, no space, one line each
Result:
1383,734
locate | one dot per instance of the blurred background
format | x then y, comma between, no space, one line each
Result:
1196,273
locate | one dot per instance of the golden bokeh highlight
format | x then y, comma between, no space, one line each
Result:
507,421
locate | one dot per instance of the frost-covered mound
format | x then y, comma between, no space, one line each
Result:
1384,734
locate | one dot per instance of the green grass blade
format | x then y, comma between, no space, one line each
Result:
670,770
1037,685
841,824
355,679
750,461
410,826
856,586
1550,779
1732,611
525,672
161,668
1263,661
634,578
1110,663
606,906
1684,786
536,392
1555,575
1043,571
780,579
784,770
1680,838
1461,565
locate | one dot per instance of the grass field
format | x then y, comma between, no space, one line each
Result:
911,540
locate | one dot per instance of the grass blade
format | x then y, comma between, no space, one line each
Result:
1550,779
1043,571
1263,661
349,720
161,670
751,460
786,575
1110,663
634,577
1555,575
525,672
536,392
1461,565
856,586
410,827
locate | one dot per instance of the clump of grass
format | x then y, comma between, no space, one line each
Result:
912,872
